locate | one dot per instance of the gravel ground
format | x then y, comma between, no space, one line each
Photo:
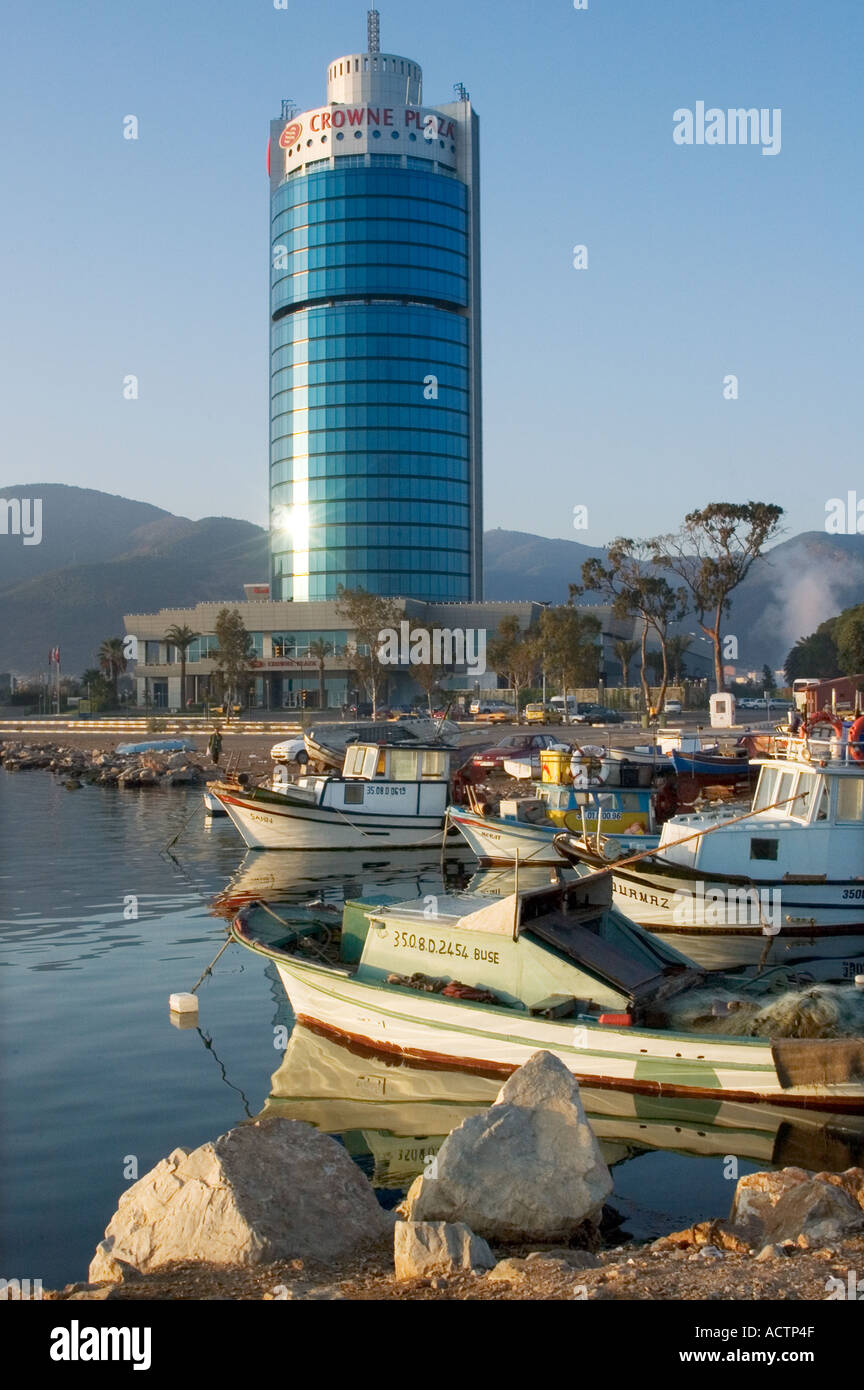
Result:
629,1272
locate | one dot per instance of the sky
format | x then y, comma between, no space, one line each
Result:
603,386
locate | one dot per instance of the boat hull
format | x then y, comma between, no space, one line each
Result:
495,1041
713,767
292,825
496,841
703,919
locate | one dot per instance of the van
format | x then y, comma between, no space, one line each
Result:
574,706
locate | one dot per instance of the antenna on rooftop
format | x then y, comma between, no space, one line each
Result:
289,108
459,89
374,23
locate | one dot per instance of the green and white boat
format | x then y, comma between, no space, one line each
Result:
462,982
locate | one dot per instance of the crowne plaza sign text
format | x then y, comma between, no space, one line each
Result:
327,118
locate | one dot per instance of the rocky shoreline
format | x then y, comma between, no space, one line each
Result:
105,767
672,1270
275,1210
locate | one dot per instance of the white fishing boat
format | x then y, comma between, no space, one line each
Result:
386,798
525,827
783,881
522,829
460,981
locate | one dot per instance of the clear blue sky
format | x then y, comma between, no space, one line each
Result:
602,387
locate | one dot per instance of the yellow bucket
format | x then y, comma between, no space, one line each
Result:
555,766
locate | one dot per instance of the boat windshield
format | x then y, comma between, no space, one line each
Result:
765,788
850,799
774,791
804,793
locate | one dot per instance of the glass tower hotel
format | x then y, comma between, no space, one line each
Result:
375,429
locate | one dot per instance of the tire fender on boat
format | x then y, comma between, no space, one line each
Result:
856,740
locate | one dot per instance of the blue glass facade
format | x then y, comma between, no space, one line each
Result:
373,386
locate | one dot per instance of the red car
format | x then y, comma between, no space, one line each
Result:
513,746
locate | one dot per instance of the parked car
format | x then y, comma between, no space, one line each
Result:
513,746
598,714
492,712
223,709
290,750
543,714
672,707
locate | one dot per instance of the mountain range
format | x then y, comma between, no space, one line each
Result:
102,556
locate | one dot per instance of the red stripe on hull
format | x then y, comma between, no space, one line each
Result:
440,1061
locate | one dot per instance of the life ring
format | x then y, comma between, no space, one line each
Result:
823,717
586,769
856,740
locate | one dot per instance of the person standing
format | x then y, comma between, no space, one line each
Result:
215,744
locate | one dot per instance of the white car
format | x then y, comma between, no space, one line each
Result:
672,707
291,750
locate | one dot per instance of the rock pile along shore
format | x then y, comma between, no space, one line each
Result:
277,1210
105,767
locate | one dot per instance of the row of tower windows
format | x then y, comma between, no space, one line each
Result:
412,70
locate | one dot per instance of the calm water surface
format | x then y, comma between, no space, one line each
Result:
96,1080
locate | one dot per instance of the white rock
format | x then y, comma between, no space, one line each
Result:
275,1189
425,1248
529,1168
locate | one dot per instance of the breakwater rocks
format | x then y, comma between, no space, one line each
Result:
275,1210
105,767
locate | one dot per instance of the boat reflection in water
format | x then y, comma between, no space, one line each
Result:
399,1113
331,876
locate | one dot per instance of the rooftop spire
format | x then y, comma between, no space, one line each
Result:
374,21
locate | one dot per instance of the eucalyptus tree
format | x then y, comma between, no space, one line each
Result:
712,552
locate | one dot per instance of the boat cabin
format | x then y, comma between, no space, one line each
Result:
556,952
382,762
379,779
808,821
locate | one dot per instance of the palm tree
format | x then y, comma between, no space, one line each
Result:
181,638
625,652
112,662
97,689
319,651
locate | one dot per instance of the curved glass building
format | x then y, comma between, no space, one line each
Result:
375,466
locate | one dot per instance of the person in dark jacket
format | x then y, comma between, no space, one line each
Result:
215,744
